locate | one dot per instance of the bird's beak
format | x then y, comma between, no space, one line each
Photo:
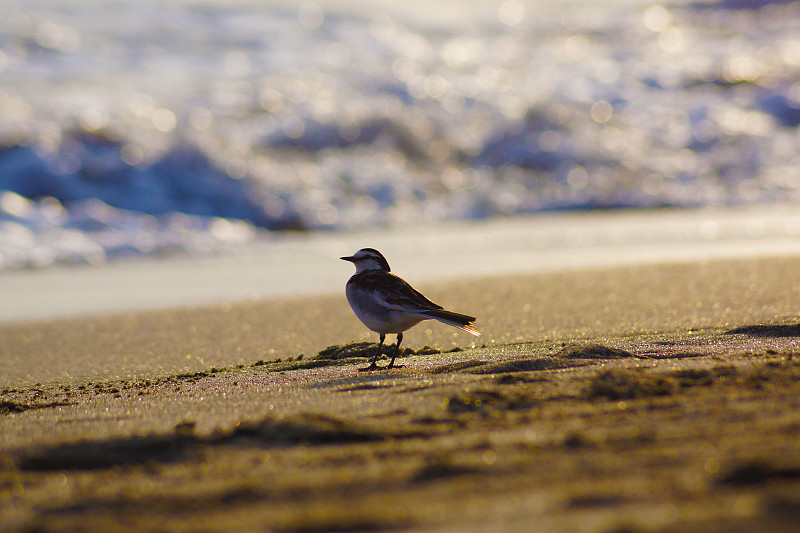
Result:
351,259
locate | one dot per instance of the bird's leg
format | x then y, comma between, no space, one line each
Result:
373,365
396,349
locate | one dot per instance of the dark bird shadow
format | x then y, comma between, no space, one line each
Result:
783,330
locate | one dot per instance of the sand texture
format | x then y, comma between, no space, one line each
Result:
641,399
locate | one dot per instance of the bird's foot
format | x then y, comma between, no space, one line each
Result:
370,368
392,365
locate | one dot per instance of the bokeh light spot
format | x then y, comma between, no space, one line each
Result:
656,18
311,16
132,154
294,127
511,12
164,120
93,119
601,112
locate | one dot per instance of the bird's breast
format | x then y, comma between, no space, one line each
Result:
375,314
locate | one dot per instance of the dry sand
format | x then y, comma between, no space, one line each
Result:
651,398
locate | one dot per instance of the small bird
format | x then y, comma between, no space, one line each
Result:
385,303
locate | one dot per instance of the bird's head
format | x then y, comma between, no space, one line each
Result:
368,259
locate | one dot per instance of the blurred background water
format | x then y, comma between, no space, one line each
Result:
142,128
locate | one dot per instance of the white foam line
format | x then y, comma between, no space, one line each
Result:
309,264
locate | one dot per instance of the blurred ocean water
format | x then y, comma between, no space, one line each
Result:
136,128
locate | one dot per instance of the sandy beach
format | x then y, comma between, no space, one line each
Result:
611,188
641,398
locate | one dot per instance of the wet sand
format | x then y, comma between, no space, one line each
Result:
647,398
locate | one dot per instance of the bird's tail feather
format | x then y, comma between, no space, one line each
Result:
463,322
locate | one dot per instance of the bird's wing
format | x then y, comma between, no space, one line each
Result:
400,295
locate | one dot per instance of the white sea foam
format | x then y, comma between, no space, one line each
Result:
115,116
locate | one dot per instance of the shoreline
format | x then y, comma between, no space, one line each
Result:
280,266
